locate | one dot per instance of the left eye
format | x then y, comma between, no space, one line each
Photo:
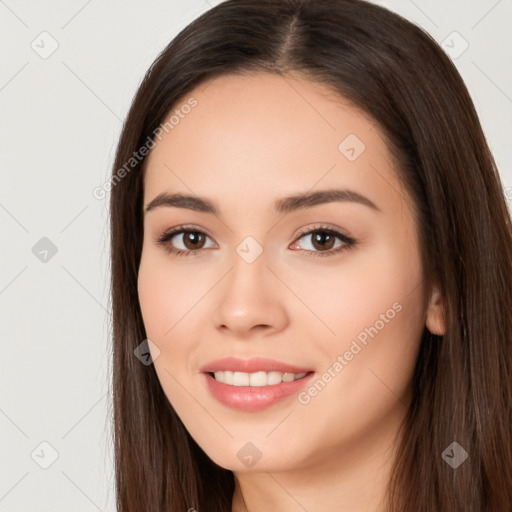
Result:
323,241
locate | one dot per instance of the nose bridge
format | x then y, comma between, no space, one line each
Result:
249,273
248,297
249,250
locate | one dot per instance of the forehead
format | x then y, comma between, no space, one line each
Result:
268,135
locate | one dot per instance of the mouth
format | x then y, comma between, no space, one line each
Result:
255,379
264,382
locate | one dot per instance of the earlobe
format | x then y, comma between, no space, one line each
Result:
435,322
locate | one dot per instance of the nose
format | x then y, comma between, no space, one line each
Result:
250,301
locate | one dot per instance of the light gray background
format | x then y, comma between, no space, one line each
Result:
60,120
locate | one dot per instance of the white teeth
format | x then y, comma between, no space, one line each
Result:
240,379
274,378
256,379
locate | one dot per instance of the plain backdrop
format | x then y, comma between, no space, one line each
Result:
68,72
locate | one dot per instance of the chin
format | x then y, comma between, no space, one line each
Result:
247,457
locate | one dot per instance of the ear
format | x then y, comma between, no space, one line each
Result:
436,322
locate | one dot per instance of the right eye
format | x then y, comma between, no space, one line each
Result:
183,241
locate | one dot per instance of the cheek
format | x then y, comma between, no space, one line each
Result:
165,294
351,297
170,306
155,297
377,313
374,308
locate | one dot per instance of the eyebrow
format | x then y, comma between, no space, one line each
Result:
281,206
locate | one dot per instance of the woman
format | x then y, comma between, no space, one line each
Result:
311,245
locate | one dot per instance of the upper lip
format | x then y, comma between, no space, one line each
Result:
256,364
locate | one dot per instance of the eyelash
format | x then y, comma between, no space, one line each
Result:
168,235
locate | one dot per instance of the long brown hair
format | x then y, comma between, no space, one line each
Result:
396,73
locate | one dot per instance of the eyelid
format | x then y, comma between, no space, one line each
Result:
169,234
322,227
348,241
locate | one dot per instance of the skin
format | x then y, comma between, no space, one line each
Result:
253,139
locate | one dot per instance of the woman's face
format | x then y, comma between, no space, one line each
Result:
328,284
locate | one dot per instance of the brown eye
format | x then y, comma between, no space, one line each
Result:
182,241
193,239
323,242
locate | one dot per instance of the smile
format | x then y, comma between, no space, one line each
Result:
256,379
250,392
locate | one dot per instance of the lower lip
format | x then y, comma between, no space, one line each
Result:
253,398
